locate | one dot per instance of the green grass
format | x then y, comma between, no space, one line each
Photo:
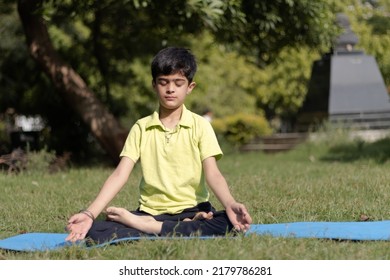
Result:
330,180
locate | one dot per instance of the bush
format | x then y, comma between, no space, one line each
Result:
241,128
39,161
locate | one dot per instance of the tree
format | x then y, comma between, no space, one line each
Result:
264,28
74,90
118,32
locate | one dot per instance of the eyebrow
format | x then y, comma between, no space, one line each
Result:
171,80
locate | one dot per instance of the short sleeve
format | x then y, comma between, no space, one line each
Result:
131,148
208,144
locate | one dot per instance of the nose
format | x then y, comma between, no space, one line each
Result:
170,88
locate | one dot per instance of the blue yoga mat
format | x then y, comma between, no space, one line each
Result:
358,231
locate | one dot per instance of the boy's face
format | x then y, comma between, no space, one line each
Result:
172,90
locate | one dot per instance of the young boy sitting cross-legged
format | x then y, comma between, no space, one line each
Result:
178,153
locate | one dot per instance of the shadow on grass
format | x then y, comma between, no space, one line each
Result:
378,151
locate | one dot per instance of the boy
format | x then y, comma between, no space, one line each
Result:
177,150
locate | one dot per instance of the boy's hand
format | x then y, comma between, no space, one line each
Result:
78,226
239,216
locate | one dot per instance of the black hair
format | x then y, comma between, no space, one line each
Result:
174,60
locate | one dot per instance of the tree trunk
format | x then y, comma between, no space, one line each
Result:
103,125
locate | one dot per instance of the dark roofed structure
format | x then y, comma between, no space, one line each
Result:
346,87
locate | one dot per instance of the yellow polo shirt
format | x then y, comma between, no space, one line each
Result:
171,161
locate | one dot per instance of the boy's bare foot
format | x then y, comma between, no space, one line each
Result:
145,224
200,216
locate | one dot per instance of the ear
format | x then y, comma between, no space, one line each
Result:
191,86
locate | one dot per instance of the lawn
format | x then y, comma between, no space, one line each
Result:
333,179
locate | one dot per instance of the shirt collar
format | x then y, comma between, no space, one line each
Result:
185,119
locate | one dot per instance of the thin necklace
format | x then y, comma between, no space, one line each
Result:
168,136
168,133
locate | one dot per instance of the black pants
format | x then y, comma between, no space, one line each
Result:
103,231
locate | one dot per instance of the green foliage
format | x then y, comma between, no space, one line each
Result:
225,79
138,95
264,28
283,85
228,82
241,128
38,162
20,79
253,55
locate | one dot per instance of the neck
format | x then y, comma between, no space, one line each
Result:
170,117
